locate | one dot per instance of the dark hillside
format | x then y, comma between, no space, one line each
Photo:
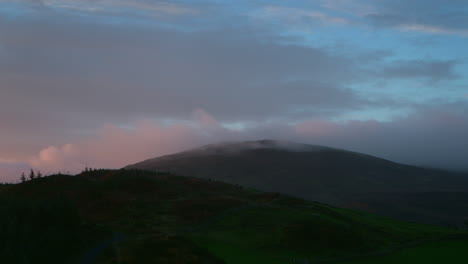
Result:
130,216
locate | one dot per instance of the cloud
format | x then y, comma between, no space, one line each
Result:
425,16
148,7
433,16
432,136
433,29
432,69
114,146
298,17
355,8
421,24
67,76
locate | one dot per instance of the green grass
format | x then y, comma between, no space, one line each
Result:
452,251
455,251
242,254
255,234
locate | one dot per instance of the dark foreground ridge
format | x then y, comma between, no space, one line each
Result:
342,178
132,216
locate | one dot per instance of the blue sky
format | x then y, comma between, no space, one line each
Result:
70,68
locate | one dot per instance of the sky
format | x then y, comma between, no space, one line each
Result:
107,83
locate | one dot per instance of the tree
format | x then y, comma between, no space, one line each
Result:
39,174
23,177
32,175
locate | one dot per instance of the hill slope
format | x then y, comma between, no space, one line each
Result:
324,174
130,216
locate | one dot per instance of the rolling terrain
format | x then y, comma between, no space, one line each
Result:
328,175
132,216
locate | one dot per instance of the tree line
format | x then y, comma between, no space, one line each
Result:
36,175
32,175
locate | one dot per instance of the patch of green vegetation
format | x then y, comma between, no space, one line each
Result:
454,251
298,232
235,253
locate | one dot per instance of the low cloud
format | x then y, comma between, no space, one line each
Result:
431,137
114,147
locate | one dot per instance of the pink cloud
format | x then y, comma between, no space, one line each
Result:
114,146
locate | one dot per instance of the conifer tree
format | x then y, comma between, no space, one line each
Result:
23,177
32,175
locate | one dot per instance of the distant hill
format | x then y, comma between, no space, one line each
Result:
327,175
132,216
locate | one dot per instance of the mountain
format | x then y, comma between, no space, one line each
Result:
132,216
328,175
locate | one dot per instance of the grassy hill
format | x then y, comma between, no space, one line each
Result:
131,216
333,176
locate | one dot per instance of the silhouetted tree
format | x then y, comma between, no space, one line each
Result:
23,177
39,174
32,175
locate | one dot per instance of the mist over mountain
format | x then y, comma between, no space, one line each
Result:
327,175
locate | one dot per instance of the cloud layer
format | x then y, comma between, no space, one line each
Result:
68,77
428,138
362,75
